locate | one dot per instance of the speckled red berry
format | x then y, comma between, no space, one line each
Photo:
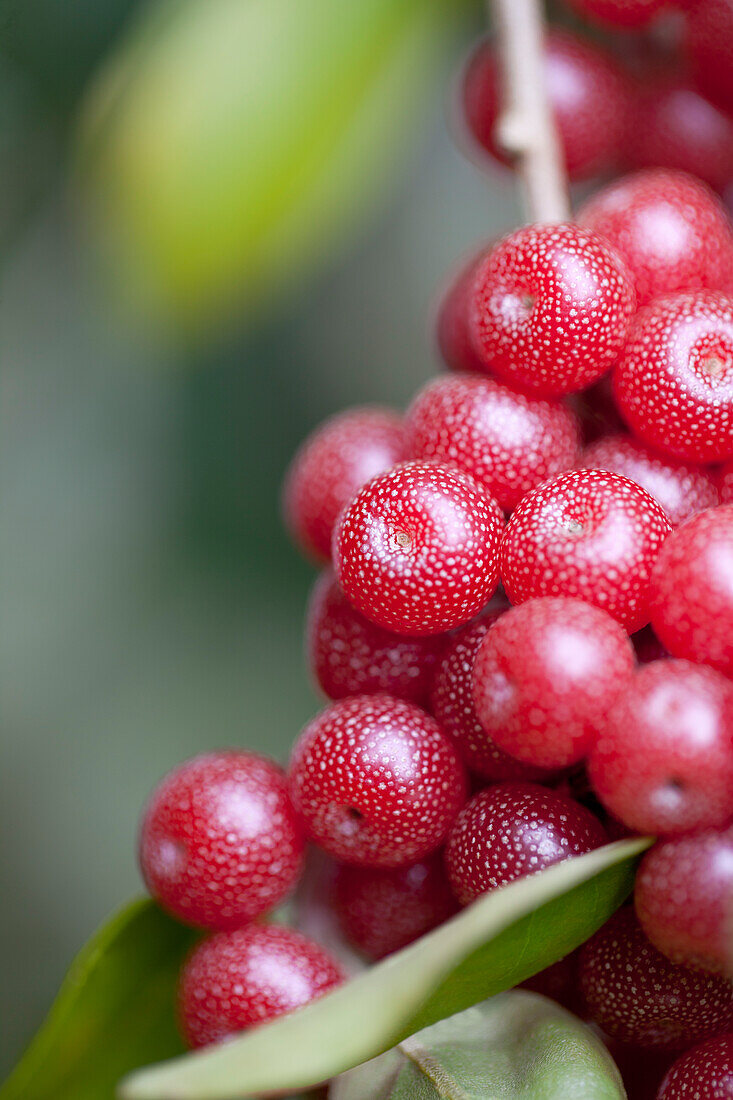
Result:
512,830
417,550
331,466
691,590
219,841
639,997
376,781
703,1073
507,441
234,980
622,14
674,381
590,534
709,25
451,323
551,309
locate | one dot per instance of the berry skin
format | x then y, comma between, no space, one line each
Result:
331,466
417,551
219,841
508,442
664,762
381,911
674,381
376,781
621,14
588,534
709,25
703,1073
681,488
512,830
691,590
544,677
451,324
684,898
551,308
349,655
233,980
637,996
671,230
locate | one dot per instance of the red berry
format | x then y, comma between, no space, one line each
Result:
552,306
417,551
691,590
451,324
588,96
726,483
330,468
684,898
641,998
382,910
664,762
680,488
626,14
589,534
544,678
233,980
219,842
512,830
703,1073
709,26
376,781
349,655
507,441
671,230
674,381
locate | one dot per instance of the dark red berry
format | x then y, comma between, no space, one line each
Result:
703,1073
625,14
376,781
709,26
588,534
451,324
417,550
233,980
219,842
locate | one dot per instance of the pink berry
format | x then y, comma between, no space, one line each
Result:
681,488
671,230
709,26
219,842
684,898
234,980
349,655
703,1073
691,590
726,483
588,534
508,442
417,550
552,306
376,781
451,324
330,468
512,830
674,381
637,996
664,762
544,677
623,14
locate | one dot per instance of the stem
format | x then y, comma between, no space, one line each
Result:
525,128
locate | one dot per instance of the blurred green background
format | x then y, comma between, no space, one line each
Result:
220,221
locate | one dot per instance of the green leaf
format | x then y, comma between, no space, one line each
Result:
115,1011
517,1046
499,941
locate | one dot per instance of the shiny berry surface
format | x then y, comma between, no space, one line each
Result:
233,980
709,25
376,781
219,841
331,466
417,550
626,14
588,534
674,382
507,441
638,996
452,331
545,675
692,590
551,310
671,230
703,1073
512,830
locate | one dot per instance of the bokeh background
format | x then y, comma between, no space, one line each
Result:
220,221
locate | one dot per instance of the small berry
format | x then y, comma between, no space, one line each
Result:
703,1073
622,14
219,842
233,980
417,550
451,324
376,781
709,25
588,534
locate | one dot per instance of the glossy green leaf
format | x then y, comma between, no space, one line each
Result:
503,938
